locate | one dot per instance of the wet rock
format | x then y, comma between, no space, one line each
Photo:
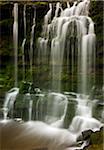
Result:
86,134
97,110
70,113
91,140
97,137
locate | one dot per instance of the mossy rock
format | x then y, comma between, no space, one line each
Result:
96,140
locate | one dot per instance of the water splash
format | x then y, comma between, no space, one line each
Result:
80,124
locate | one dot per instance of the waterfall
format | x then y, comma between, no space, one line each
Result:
31,42
15,40
84,107
87,59
24,41
58,7
68,39
43,41
23,57
66,47
71,33
84,63
30,109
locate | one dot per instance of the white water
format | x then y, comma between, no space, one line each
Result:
15,40
80,124
84,106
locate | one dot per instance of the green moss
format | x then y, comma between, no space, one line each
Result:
96,140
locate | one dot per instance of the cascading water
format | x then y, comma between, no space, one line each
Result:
67,35
15,39
43,41
87,60
55,109
84,107
70,33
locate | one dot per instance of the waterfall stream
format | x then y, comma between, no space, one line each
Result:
15,39
66,48
72,33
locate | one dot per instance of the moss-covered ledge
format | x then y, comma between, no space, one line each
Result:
97,140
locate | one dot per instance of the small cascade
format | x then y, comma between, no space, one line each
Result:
55,108
39,109
15,40
31,42
9,101
61,122
83,120
80,124
84,107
